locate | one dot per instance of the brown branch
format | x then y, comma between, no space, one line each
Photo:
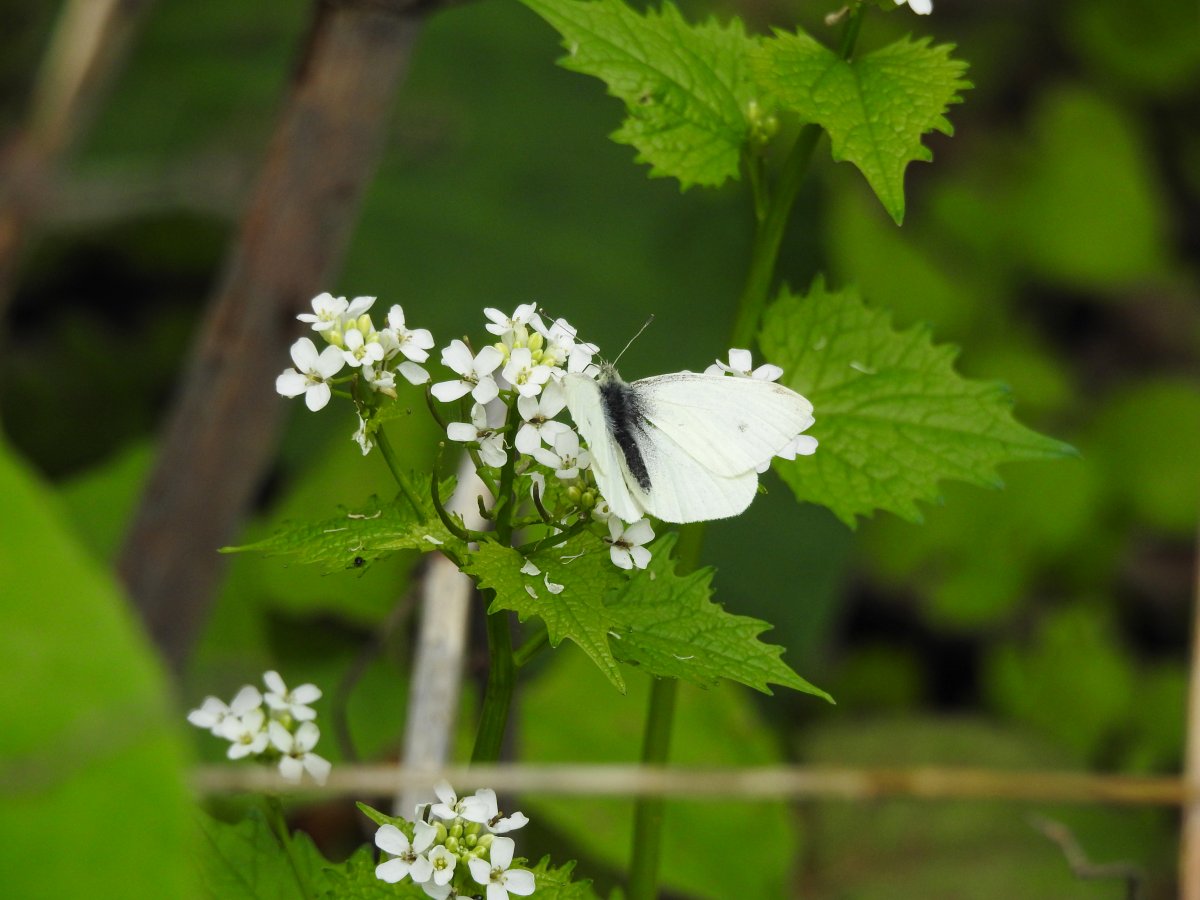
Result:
224,425
744,784
1083,868
87,47
1189,850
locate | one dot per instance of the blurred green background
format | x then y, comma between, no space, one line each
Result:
1055,238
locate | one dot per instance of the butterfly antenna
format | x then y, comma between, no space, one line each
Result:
645,325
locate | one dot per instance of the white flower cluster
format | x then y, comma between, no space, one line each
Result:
354,341
741,365
275,725
463,831
523,370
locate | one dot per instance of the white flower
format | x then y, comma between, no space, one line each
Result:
566,459
414,344
500,323
740,363
539,413
475,373
443,862
496,874
920,7
213,712
483,808
294,702
449,807
601,511
627,550
246,734
311,372
361,349
297,752
363,436
327,312
563,345
800,445
408,859
522,374
490,438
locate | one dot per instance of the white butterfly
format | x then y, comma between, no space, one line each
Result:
683,447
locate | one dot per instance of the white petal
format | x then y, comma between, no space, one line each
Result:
317,397
304,354
767,372
497,891
740,360
274,682
481,870
488,360
520,882
423,836
413,373
247,698
616,528
547,458
640,532
461,432
391,839
330,362
480,807
486,390
421,870
291,383
358,306
449,391
528,439
492,452
806,445
501,853
291,768
306,693
640,556
280,737
714,369
517,819
307,736
552,587
445,793
530,569
395,317
620,557
391,871
457,356
318,767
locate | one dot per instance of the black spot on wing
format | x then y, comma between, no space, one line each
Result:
626,421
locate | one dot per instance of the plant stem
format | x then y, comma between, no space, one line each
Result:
393,464
656,742
498,695
501,669
278,823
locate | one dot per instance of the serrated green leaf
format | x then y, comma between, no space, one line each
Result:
893,417
582,566
355,880
355,537
556,883
875,108
672,629
687,88
382,818
245,861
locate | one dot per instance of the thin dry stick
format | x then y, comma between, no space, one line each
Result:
742,784
87,47
223,428
1189,851
442,642
1084,868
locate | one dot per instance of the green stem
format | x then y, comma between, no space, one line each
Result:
498,695
501,669
656,742
278,823
533,645
406,488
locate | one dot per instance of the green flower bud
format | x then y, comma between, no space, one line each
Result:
485,841
335,337
536,342
365,325
452,844
471,840
441,833
574,493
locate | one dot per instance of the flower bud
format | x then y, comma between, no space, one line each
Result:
536,342
440,838
456,830
485,842
365,325
452,844
471,840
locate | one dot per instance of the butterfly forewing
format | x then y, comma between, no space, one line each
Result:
730,426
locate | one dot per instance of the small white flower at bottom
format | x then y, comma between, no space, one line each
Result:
566,459
490,438
443,862
247,734
741,364
484,809
408,854
311,372
475,373
496,874
449,806
627,551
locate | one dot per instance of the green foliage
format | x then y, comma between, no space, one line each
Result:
875,108
355,880
245,861
89,726
672,629
905,849
893,416
687,88
715,727
578,612
352,538
658,620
